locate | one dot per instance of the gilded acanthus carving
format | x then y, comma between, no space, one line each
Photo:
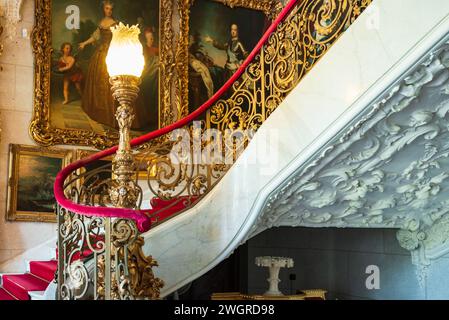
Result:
389,168
291,52
140,283
142,279
427,243
270,8
1,51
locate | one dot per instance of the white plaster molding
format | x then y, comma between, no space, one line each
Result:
389,168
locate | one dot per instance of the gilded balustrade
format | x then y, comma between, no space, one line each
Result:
297,45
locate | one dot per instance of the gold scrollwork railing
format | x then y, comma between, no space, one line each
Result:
102,258
290,53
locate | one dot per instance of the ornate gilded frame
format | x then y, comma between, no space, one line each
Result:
1,44
271,8
15,151
41,129
1,52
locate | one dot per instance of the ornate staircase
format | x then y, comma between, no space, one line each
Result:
176,168
327,168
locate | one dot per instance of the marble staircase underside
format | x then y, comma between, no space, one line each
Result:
361,142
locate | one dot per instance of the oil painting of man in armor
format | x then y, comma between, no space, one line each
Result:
218,47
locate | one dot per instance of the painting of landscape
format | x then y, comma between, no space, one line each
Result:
32,174
35,185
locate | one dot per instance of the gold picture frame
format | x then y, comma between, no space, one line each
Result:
31,176
1,44
271,9
41,128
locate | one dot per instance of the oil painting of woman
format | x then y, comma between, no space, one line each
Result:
85,101
97,100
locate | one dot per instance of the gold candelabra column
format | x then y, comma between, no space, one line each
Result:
120,277
125,63
124,192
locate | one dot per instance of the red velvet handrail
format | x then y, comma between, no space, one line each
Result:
141,217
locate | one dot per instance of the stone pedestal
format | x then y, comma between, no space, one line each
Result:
274,264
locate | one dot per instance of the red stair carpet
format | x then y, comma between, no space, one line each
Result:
17,286
167,208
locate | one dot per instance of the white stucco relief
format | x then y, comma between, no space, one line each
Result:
388,169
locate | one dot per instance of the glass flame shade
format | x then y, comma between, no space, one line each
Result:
125,55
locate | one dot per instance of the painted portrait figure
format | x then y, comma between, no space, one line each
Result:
235,51
220,39
72,72
80,95
97,100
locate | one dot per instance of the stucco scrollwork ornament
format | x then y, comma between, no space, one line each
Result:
427,243
410,240
387,169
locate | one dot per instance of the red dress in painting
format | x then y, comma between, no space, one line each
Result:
74,74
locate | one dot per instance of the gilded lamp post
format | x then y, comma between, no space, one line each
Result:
125,62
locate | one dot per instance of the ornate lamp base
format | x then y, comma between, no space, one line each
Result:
124,192
274,264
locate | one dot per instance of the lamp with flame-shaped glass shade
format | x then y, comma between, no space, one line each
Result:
125,55
125,62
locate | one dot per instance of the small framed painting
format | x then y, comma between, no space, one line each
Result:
32,173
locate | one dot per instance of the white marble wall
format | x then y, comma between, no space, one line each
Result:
16,101
355,71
